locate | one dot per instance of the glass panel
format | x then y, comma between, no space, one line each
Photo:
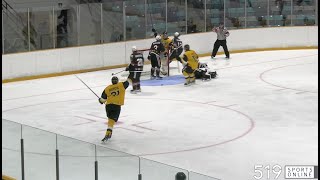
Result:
90,23
235,13
278,13
112,14
214,13
197,176
135,19
176,17
156,17
39,156
11,151
116,165
304,12
41,23
66,26
257,11
196,21
15,27
158,171
316,12
76,159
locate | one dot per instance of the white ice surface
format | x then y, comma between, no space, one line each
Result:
262,109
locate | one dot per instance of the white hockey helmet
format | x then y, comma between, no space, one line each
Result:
134,48
176,34
158,37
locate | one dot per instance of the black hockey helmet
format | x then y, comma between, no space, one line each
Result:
186,47
181,176
114,80
165,34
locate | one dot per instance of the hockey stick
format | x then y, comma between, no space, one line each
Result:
117,72
87,86
138,71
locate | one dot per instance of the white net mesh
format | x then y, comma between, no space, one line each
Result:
165,71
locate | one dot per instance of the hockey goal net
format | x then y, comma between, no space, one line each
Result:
165,69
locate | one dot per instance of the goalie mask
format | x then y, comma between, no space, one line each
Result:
203,65
114,80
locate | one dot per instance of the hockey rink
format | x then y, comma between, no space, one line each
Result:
262,109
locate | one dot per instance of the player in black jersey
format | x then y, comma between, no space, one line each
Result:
135,67
176,48
154,56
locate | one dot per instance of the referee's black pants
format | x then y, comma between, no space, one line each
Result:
216,46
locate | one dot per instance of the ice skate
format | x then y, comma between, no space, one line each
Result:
152,77
133,91
107,136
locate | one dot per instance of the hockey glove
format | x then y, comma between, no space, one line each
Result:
101,100
127,69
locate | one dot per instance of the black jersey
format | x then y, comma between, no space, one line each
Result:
177,44
157,47
136,62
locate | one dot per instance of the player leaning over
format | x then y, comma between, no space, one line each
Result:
113,96
190,61
166,41
154,56
135,67
176,48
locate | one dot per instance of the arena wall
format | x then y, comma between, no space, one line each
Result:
95,57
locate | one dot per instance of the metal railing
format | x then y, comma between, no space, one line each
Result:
98,22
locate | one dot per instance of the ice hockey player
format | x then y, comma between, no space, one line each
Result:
135,68
154,56
203,72
166,41
190,62
176,48
113,96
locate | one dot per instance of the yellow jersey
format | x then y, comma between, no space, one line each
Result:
115,93
166,42
191,57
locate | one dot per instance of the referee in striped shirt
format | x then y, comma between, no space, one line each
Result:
222,34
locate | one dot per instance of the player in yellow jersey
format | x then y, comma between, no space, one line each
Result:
113,96
166,41
190,61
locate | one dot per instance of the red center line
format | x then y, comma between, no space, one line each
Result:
97,116
229,105
143,127
92,120
209,102
82,123
142,122
104,118
128,129
302,92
